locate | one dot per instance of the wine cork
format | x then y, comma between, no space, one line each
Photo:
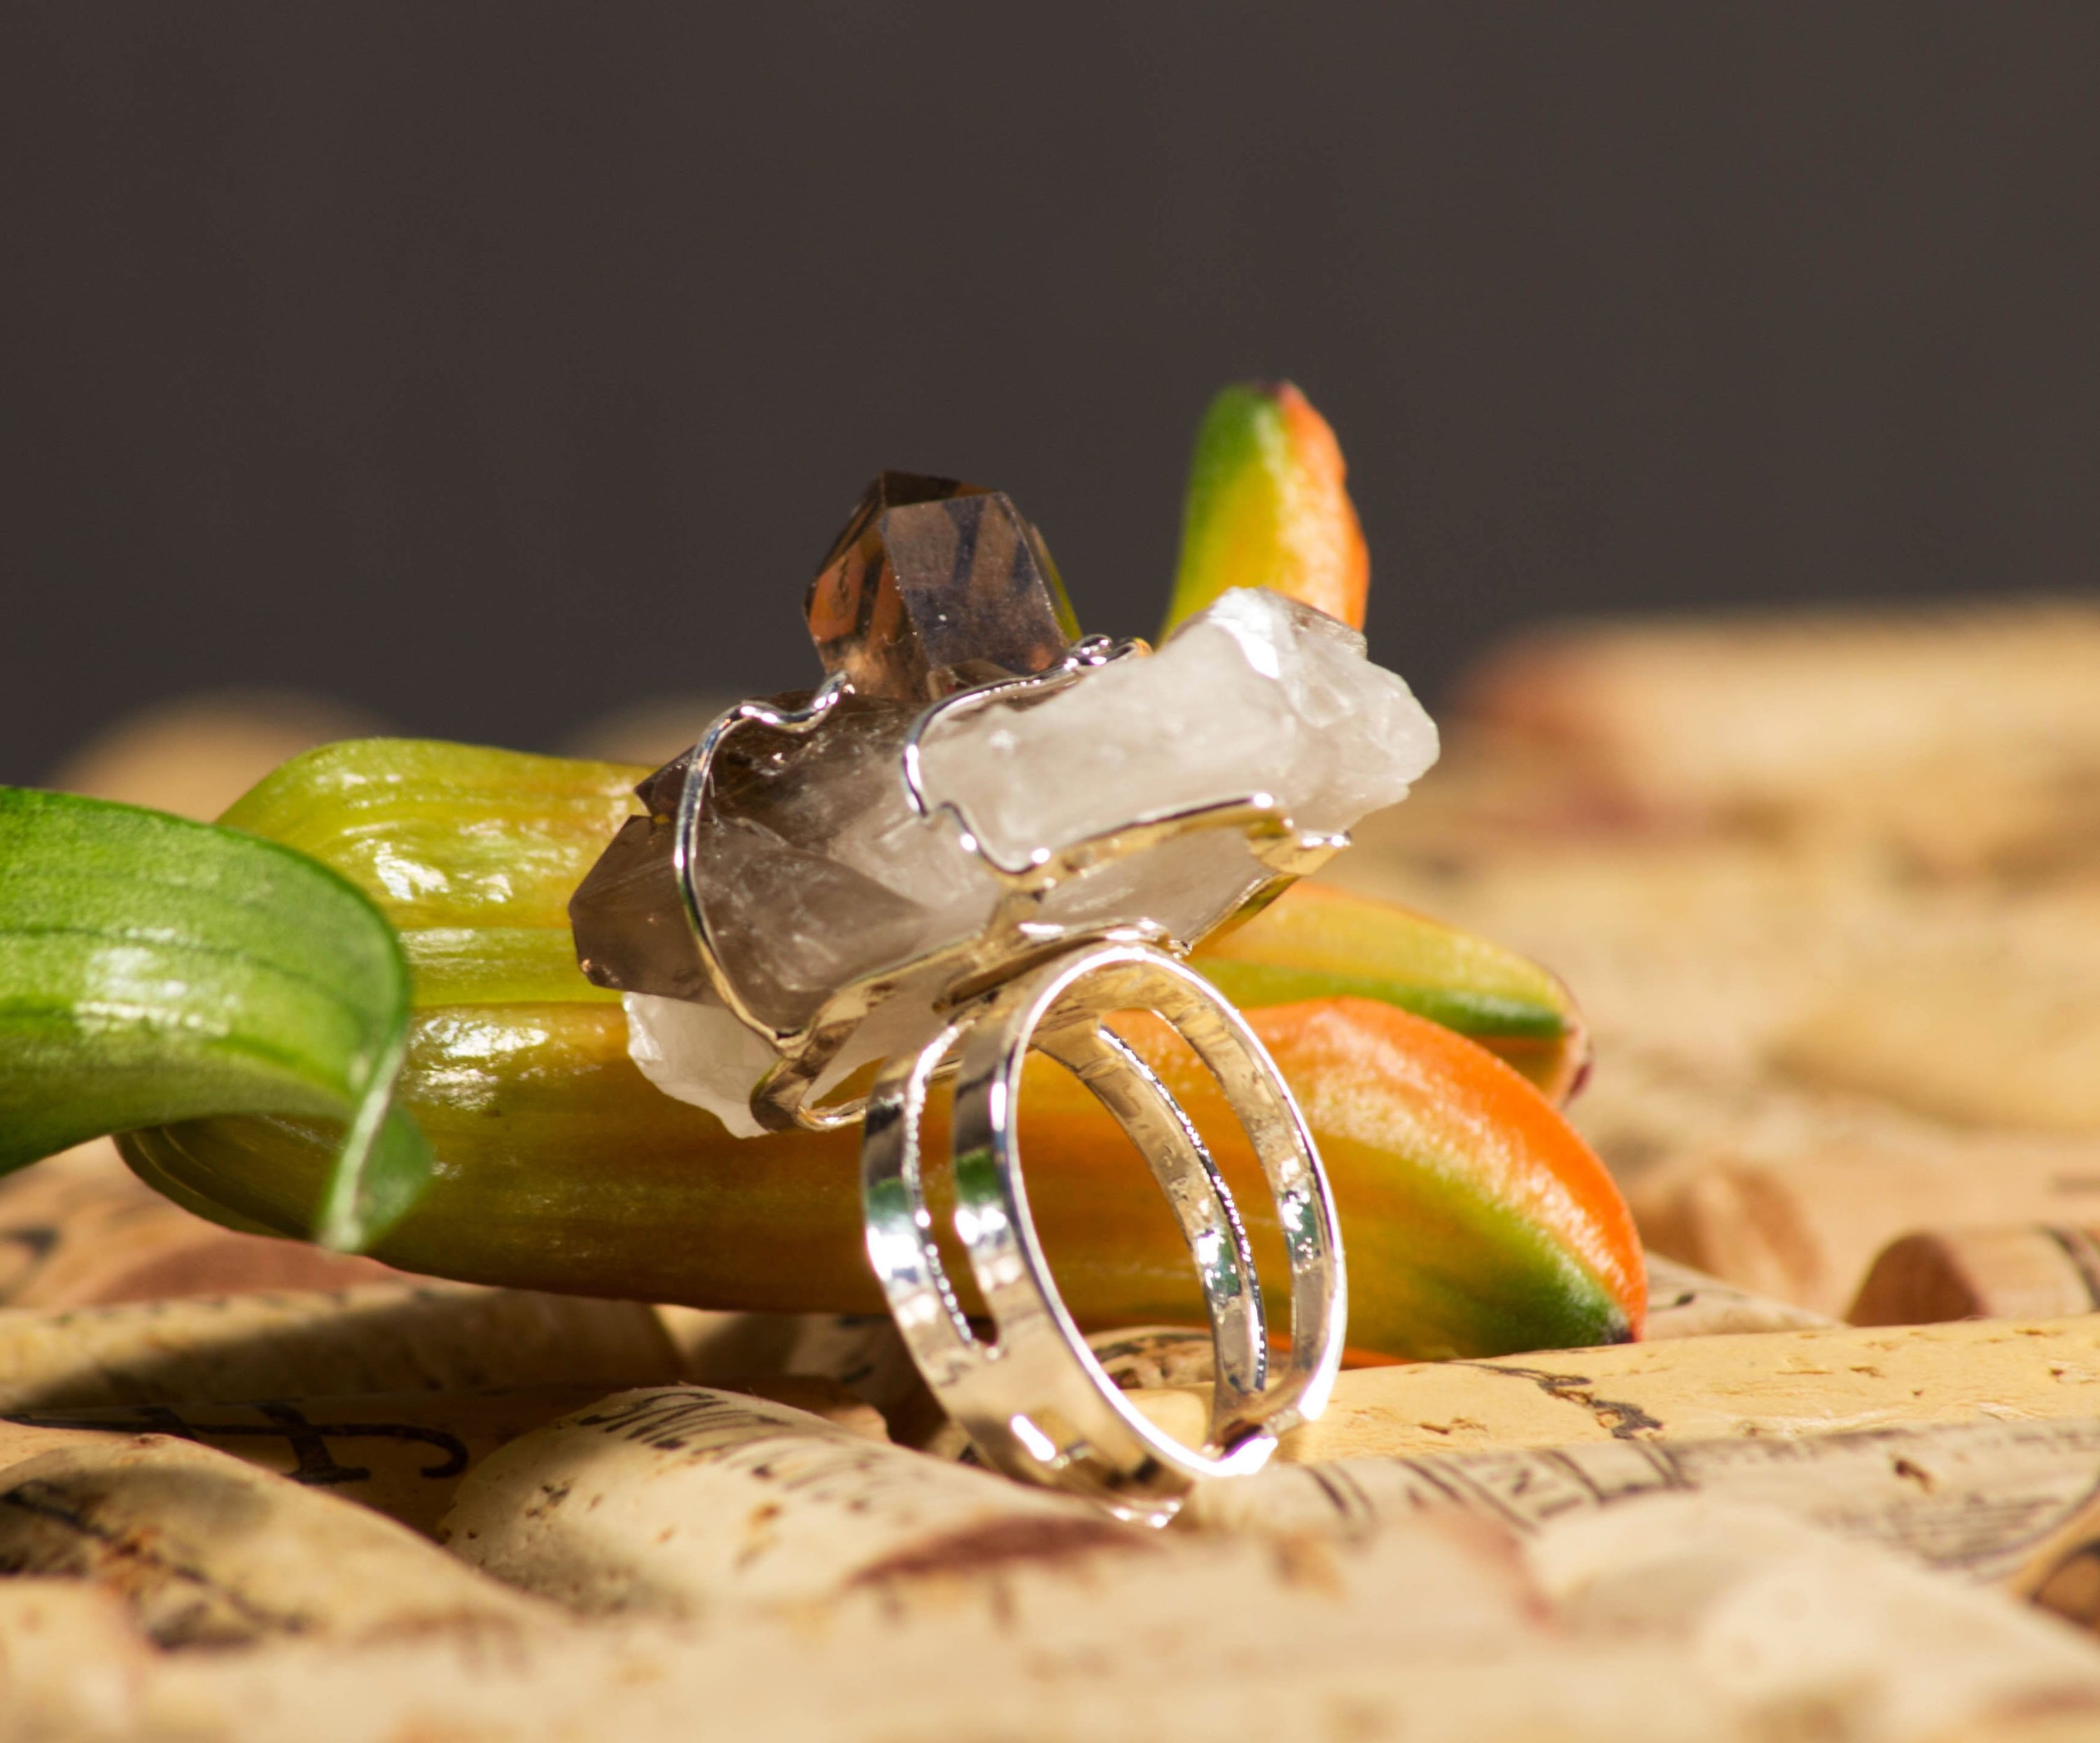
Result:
1973,1499
1803,1223
80,1229
1683,1302
1775,1383
2034,1272
378,1338
1686,1302
673,1500
402,1454
206,1550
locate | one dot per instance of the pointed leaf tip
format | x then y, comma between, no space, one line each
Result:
1267,506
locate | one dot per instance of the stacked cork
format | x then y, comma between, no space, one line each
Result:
1830,890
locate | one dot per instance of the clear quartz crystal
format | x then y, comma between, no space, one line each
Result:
700,1053
814,870
1258,693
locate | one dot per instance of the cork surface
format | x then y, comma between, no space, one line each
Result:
1777,1383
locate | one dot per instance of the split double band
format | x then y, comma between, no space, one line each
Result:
1035,1402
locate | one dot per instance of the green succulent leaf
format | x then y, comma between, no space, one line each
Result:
154,970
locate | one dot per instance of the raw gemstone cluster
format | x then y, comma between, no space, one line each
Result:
814,870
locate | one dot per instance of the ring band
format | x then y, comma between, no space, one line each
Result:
1036,1403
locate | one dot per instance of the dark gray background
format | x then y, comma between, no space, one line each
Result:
484,365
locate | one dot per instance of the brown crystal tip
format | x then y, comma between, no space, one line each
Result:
933,586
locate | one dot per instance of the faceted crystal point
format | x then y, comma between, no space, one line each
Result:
893,490
934,586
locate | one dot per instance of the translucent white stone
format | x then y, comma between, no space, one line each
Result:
700,1053
814,871
1256,694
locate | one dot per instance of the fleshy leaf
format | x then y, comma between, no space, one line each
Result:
472,852
1267,507
1323,941
154,969
1477,1221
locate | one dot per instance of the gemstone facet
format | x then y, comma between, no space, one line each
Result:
935,585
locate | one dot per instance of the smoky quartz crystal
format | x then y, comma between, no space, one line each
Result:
935,585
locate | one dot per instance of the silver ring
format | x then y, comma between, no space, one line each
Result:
1028,938
1035,1402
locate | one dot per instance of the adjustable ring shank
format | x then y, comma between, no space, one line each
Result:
1036,1403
